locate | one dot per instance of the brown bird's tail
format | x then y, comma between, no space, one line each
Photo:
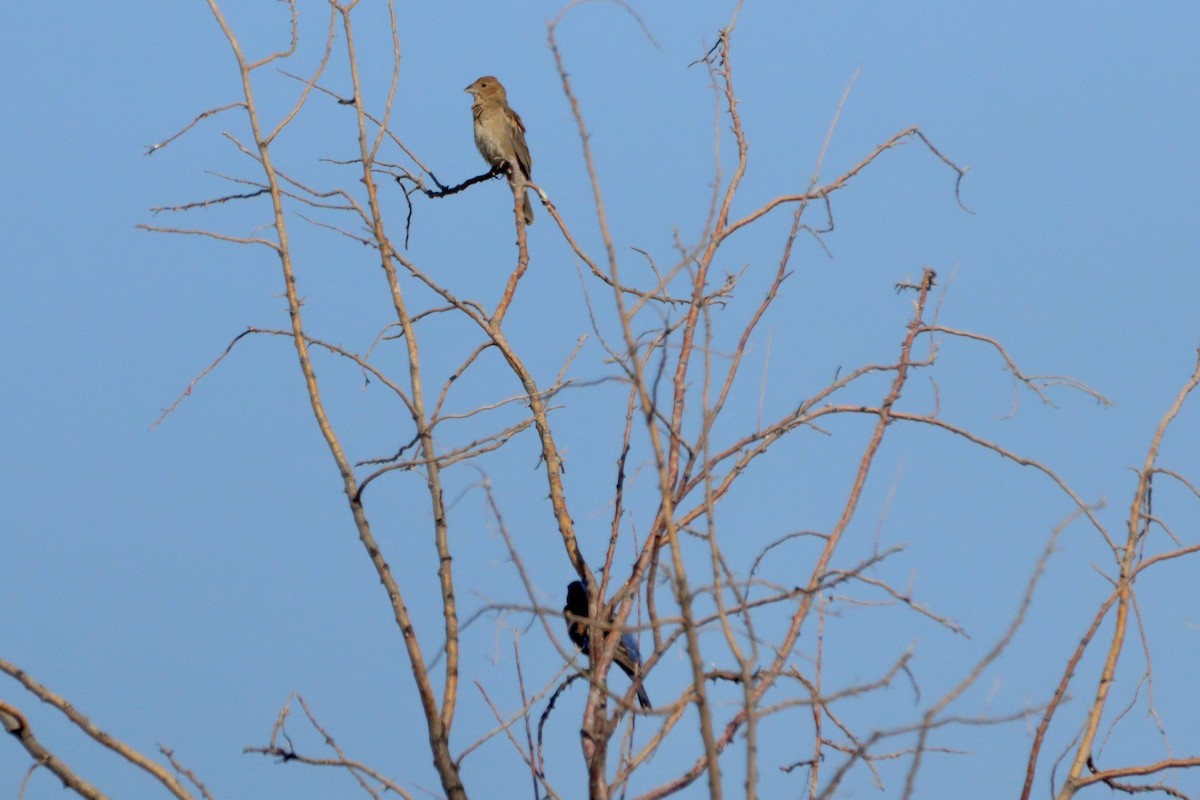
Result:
528,210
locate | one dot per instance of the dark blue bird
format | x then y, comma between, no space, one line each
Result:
628,657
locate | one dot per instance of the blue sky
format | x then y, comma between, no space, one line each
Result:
177,583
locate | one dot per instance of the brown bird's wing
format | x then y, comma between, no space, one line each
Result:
517,128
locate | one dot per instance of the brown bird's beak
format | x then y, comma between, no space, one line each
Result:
468,89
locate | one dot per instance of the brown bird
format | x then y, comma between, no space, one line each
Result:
499,132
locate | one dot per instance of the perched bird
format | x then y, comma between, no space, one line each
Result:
628,657
499,132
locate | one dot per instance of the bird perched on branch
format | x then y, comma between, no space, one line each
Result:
627,657
500,134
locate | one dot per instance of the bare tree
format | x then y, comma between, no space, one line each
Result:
673,343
